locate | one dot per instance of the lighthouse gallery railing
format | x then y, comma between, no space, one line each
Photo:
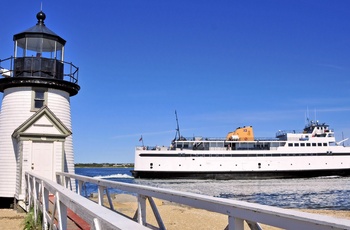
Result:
39,67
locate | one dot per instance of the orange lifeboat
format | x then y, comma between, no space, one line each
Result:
241,134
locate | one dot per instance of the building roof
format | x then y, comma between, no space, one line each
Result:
40,31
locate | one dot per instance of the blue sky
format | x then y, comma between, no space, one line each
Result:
220,64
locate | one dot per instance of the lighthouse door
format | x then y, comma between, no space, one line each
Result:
42,159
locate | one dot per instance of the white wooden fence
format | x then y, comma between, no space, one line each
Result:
236,211
98,217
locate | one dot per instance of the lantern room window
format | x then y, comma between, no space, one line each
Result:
39,47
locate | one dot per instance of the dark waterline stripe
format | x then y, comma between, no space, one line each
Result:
241,155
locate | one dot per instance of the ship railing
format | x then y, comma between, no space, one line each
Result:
199,139
152,148
40,67
266,139
236,211
284,132
221,139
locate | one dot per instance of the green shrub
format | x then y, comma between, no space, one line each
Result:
29,221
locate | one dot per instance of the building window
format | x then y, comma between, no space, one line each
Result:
39,98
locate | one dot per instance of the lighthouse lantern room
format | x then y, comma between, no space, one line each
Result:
35,119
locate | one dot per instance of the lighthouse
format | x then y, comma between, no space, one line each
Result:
35,117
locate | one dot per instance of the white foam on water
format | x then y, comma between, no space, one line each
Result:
116,176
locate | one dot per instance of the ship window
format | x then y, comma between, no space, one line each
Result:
319,144
39,96
302,144
308,144
313,144
296,144
290,144
324,144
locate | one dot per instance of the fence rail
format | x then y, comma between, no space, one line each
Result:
38,190
236,211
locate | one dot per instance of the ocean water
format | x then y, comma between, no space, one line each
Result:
312,193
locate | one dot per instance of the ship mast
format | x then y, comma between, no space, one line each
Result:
177,127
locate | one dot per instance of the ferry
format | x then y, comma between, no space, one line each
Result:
311,152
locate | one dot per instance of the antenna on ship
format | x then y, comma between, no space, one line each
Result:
307,120
177,127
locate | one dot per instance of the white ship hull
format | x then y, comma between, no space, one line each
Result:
239,165
305,154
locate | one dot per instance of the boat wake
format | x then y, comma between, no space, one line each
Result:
329,177
114,176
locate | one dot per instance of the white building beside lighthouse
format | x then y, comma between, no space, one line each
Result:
35,118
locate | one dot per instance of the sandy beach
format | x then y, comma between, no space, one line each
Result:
175,216
11,219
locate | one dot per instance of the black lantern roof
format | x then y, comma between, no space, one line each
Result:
39,31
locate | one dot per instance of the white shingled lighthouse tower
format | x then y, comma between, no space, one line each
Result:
35,118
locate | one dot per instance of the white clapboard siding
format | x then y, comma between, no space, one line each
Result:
15,110
59,104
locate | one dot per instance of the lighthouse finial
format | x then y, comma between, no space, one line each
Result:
41,17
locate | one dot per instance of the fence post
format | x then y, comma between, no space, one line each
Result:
235,223
141,211
45,200
62,213
35,198
80,187
156,213
100,195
